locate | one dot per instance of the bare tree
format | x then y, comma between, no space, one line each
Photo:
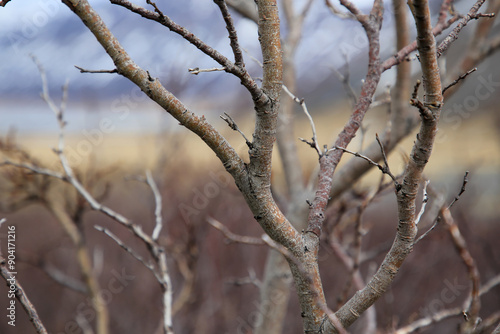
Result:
294,233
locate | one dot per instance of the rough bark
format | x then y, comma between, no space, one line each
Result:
406,196
277,277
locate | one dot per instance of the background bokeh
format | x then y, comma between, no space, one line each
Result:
114,134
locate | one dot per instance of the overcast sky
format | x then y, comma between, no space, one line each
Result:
47,29
51,32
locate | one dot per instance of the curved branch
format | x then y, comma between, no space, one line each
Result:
453,35
239,71
253,180
406,196
330,160
153,88
233,37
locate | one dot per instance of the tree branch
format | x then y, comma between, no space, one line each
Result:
314,141
447,313
21,296
233,37
239,71
232,237
82,70
403,52
329,162
461,77
453,35
472,310
406,196
153,88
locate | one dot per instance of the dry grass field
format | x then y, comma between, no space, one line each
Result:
473,144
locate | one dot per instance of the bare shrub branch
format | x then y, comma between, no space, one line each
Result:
16,288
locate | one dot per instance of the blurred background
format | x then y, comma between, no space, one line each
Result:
114,134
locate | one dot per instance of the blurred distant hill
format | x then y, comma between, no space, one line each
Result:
48,30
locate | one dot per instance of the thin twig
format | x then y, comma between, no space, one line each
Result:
166,285
45,88
157,10
425,113
414,95
129,250
436,222
197,70
67,222
314,143
385,169
384,101
35,169
462,77
356,154
453,35
158,205
232,124
425,199
233,37
462,189
447,313
246,80
486,287
472,310
232,237
427,321
82,70
402,55
263,240
161,275
438,218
